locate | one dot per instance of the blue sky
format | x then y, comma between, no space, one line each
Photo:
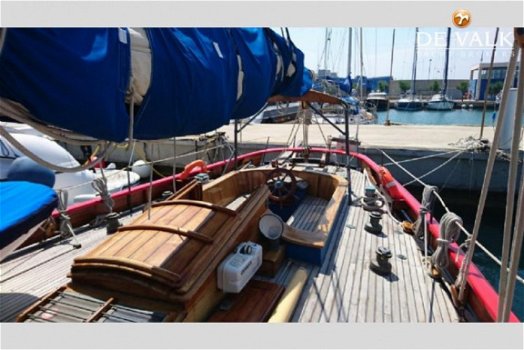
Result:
467,46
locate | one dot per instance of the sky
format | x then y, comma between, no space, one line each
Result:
466,48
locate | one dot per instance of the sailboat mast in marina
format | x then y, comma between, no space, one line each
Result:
410,102
441,101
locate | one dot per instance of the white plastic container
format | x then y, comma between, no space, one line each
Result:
239,267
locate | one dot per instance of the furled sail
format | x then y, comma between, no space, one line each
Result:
193,79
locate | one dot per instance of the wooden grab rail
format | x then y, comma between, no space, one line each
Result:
176,230
101,310
134,266
197,204
34,307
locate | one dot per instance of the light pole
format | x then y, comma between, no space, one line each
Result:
429,69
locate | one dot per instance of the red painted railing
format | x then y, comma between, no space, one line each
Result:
482,297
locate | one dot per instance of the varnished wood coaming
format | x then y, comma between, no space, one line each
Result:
167,257
329,187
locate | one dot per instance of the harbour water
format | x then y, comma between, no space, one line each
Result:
472,117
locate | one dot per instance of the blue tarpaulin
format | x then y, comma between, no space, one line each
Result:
23,205
72,78
193,85
77,79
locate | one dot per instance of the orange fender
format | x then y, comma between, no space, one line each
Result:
194,164
389,183
100,165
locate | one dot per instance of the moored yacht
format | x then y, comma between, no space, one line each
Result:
440,102
409,103
378,100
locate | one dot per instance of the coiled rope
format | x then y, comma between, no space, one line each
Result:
428,201
100,186
66,229
469,235
449,233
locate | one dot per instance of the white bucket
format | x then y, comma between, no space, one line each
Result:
271,227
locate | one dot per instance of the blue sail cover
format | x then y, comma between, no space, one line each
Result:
77,79
72,78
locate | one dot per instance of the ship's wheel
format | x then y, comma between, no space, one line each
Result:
282,185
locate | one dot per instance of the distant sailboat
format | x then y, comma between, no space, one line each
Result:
441,102
410,102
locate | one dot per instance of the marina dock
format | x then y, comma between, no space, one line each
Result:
474,104
436,143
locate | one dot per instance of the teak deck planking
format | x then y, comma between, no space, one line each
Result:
345,290
342,290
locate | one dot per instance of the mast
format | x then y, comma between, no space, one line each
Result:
486,91
326,38
350,39
327,43
477,88
388,122
414,72
361,68
446,64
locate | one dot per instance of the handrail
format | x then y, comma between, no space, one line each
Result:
176,230
196,203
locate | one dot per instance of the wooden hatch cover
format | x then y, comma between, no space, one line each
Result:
165,259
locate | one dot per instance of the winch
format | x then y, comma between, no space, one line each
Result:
238,268
381,265
374,225
371,201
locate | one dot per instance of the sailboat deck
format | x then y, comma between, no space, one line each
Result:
37,270
344,289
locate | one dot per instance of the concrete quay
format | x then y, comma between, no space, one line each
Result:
474,104
401,142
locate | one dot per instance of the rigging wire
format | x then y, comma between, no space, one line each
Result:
436,168
441,200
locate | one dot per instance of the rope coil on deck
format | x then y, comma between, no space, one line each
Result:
466,232
66,229
428,201
100,186
449,233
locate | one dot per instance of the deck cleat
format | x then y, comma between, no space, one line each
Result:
165,195
381,265
374,225
203,178
112,223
